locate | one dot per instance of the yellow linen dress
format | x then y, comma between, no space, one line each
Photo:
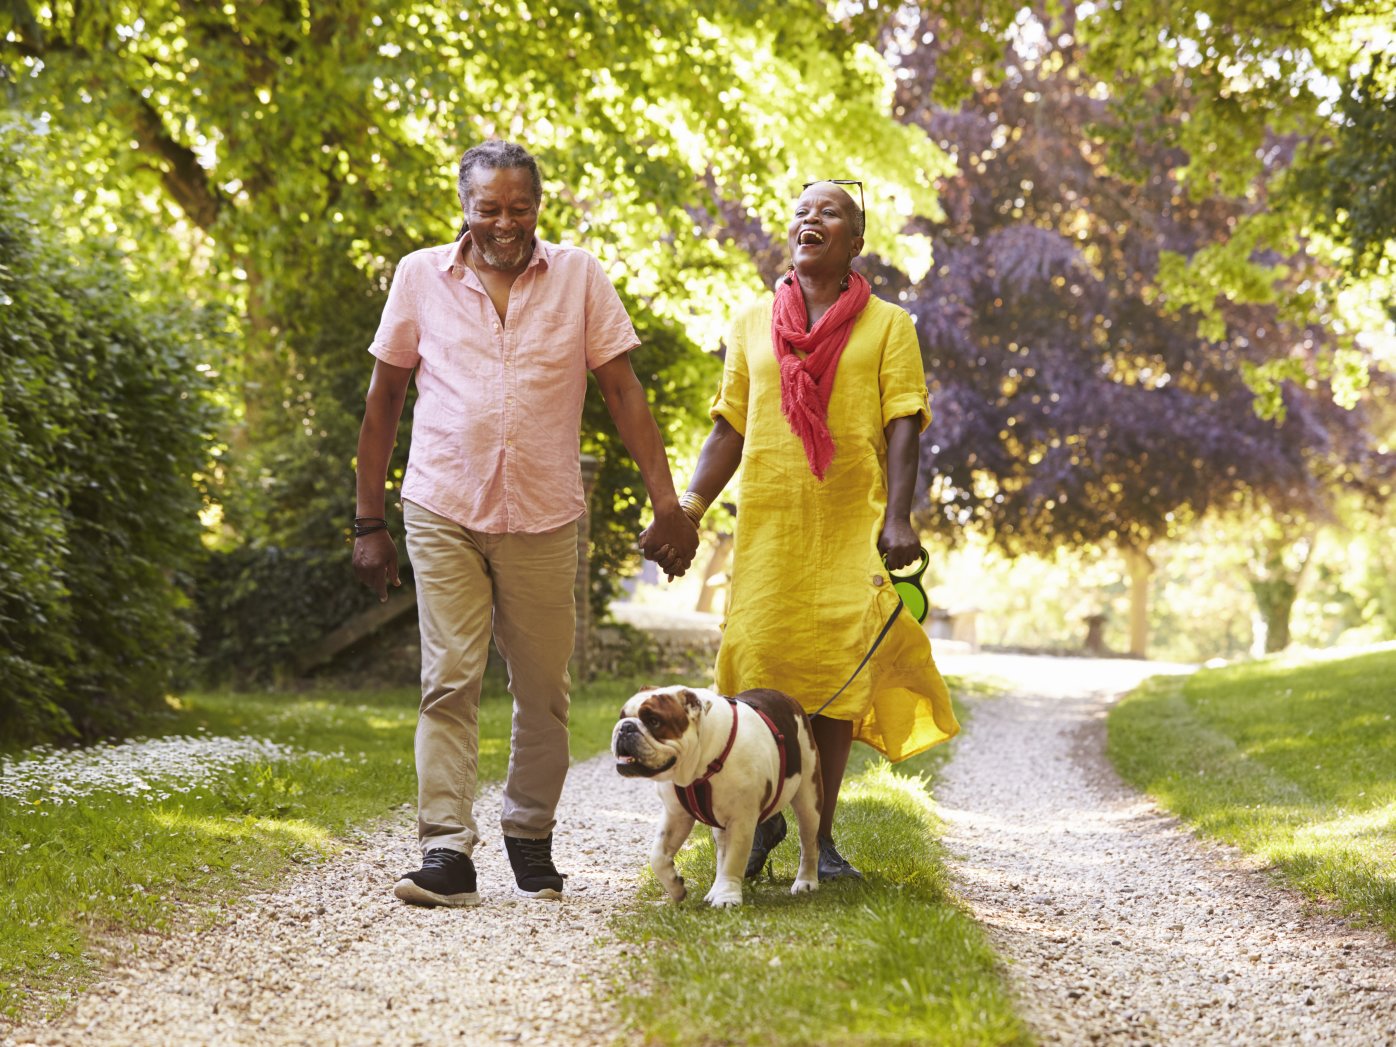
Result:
809,590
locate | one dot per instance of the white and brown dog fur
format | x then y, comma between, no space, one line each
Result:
672,735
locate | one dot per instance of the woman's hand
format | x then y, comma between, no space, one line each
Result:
671,541
898,544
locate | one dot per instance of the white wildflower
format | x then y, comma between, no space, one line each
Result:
176,764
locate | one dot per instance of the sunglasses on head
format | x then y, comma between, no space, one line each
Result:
841,181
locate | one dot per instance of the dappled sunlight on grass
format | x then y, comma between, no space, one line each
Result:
890,960
1352,828
229,828
115,856
1295,763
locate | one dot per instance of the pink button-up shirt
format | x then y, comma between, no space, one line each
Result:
495,431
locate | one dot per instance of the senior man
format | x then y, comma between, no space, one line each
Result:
501,329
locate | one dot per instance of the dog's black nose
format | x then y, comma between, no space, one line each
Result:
628,727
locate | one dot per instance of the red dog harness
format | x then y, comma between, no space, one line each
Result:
697,797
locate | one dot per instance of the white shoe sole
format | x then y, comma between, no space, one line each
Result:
408,891
546,892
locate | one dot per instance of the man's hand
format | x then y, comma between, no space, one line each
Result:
375,562
898,544
671,541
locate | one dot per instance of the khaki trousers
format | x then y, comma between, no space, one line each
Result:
520,586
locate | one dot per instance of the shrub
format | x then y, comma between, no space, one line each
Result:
105,421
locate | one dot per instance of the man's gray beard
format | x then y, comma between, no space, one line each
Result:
496,259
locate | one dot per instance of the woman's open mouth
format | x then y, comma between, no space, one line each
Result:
808,237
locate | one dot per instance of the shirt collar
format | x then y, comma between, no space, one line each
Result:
454,255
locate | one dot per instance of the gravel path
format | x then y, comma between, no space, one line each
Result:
1119,926
333,958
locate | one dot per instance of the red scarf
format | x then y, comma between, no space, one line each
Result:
806,384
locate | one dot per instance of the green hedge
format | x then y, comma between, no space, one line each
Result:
105,422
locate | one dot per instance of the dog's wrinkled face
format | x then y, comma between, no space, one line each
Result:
655,726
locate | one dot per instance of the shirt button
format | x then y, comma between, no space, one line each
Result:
877,579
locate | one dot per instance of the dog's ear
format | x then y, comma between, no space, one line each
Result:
641,692
692,704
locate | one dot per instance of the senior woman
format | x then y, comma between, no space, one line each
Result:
823,398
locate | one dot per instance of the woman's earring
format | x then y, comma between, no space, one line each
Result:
843,286
789,269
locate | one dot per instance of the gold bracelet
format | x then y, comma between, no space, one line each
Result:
693,506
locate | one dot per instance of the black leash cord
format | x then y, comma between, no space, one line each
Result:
876,644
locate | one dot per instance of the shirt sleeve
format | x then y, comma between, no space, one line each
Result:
398,332
902,379
609,331
734,394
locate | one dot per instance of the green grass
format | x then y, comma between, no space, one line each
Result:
892,960
77,872
1295,764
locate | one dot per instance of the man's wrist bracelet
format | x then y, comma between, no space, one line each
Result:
369,525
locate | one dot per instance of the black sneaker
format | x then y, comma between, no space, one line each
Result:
535,875
768,834
832,865
446,877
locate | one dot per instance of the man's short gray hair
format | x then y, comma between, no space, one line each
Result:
495,155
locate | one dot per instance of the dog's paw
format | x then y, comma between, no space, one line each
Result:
677,891
726,898
801,886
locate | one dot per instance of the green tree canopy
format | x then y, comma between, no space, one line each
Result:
284,155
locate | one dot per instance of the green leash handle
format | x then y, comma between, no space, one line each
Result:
909,588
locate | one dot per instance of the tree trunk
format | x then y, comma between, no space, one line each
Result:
1141,569
717,565
1275,586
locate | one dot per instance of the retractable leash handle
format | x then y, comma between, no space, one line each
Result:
909,587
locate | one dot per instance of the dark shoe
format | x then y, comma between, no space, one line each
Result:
446,877
768,834
532,862
832,865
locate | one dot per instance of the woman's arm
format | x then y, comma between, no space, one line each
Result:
898,541
718,461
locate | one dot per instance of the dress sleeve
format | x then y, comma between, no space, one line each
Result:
398,333
902,379
609,331
732,397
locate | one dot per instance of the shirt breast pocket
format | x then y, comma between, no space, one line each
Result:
556,322
554,339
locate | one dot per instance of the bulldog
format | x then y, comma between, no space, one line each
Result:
728,762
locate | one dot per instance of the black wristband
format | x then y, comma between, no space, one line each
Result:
360,531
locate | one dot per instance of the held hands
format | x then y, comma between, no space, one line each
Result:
375,562
671,541
898,544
